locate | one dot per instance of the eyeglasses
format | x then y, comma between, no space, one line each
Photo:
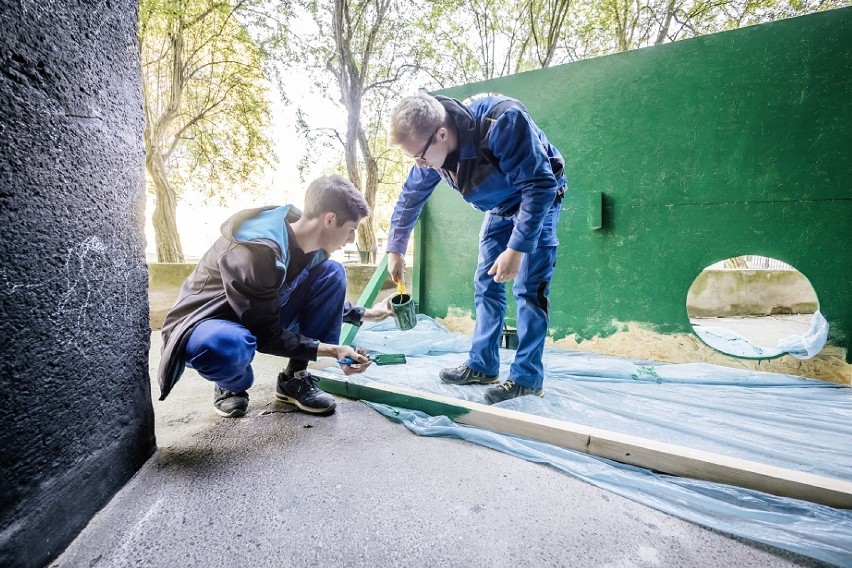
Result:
426,147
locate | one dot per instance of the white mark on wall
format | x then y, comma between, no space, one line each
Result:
96,288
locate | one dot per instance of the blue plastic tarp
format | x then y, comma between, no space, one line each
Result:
782,420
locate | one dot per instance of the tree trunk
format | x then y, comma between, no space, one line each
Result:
350,78
165,212
356,138
667,21
366,234
165,217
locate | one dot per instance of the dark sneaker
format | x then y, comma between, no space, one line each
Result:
230,404
509,390
301,390
464,375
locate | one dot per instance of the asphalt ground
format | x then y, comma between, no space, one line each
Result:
282,488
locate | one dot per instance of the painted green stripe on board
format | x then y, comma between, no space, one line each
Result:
364,392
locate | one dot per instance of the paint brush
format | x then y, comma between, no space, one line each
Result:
378,359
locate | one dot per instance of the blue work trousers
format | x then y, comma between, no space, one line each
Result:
312,305
531,289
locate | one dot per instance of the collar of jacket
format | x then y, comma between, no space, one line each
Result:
264,225
466,126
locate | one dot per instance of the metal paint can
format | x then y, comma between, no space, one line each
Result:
403,311
510,339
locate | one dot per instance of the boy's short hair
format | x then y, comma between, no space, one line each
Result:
416,116
337,195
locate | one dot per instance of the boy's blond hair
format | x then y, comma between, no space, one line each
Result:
416,116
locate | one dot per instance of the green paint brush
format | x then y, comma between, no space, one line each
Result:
378,359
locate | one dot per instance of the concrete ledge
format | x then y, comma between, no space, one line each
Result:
724,293
358,276
161,274
165,279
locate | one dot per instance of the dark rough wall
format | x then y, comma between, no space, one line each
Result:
76,406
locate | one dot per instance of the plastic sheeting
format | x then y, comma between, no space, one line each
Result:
808,345
783,420
799,346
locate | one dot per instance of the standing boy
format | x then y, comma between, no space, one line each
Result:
492,153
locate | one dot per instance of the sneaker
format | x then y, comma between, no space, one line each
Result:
301,390
464,375
230,404
509,390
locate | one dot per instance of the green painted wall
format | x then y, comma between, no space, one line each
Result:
730,144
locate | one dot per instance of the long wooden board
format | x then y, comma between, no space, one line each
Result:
660,456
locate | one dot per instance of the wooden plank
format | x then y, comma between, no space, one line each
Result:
660,456
368,297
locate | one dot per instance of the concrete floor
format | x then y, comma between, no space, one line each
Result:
279,487
763,331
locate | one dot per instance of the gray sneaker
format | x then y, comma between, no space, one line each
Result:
230,404
509,390
464,375
301,390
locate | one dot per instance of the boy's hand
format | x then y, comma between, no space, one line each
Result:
396,266
507,265
361,362
342,352
380,311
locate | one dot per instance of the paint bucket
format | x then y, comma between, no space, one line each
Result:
510,339
403,311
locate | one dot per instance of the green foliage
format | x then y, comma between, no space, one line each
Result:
206,99
366,75
609,26
466,42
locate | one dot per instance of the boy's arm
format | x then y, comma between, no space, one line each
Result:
522,155
416,190
251,280
419,185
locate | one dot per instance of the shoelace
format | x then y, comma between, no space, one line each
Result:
508,385
309,382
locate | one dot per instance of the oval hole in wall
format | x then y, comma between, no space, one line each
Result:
744,305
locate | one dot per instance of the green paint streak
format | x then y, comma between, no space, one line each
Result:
364,392
703,149
417,276
368,297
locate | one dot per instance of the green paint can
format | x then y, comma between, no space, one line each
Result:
510,339
403,311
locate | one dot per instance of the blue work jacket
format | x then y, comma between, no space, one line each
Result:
506,166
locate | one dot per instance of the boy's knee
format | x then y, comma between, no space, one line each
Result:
334,272
232,352
241,382
331,277
235,346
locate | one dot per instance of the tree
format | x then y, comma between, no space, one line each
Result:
482,39
546,22
621,25
365,47
206,105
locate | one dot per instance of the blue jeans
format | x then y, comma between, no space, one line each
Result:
312,305
531,290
